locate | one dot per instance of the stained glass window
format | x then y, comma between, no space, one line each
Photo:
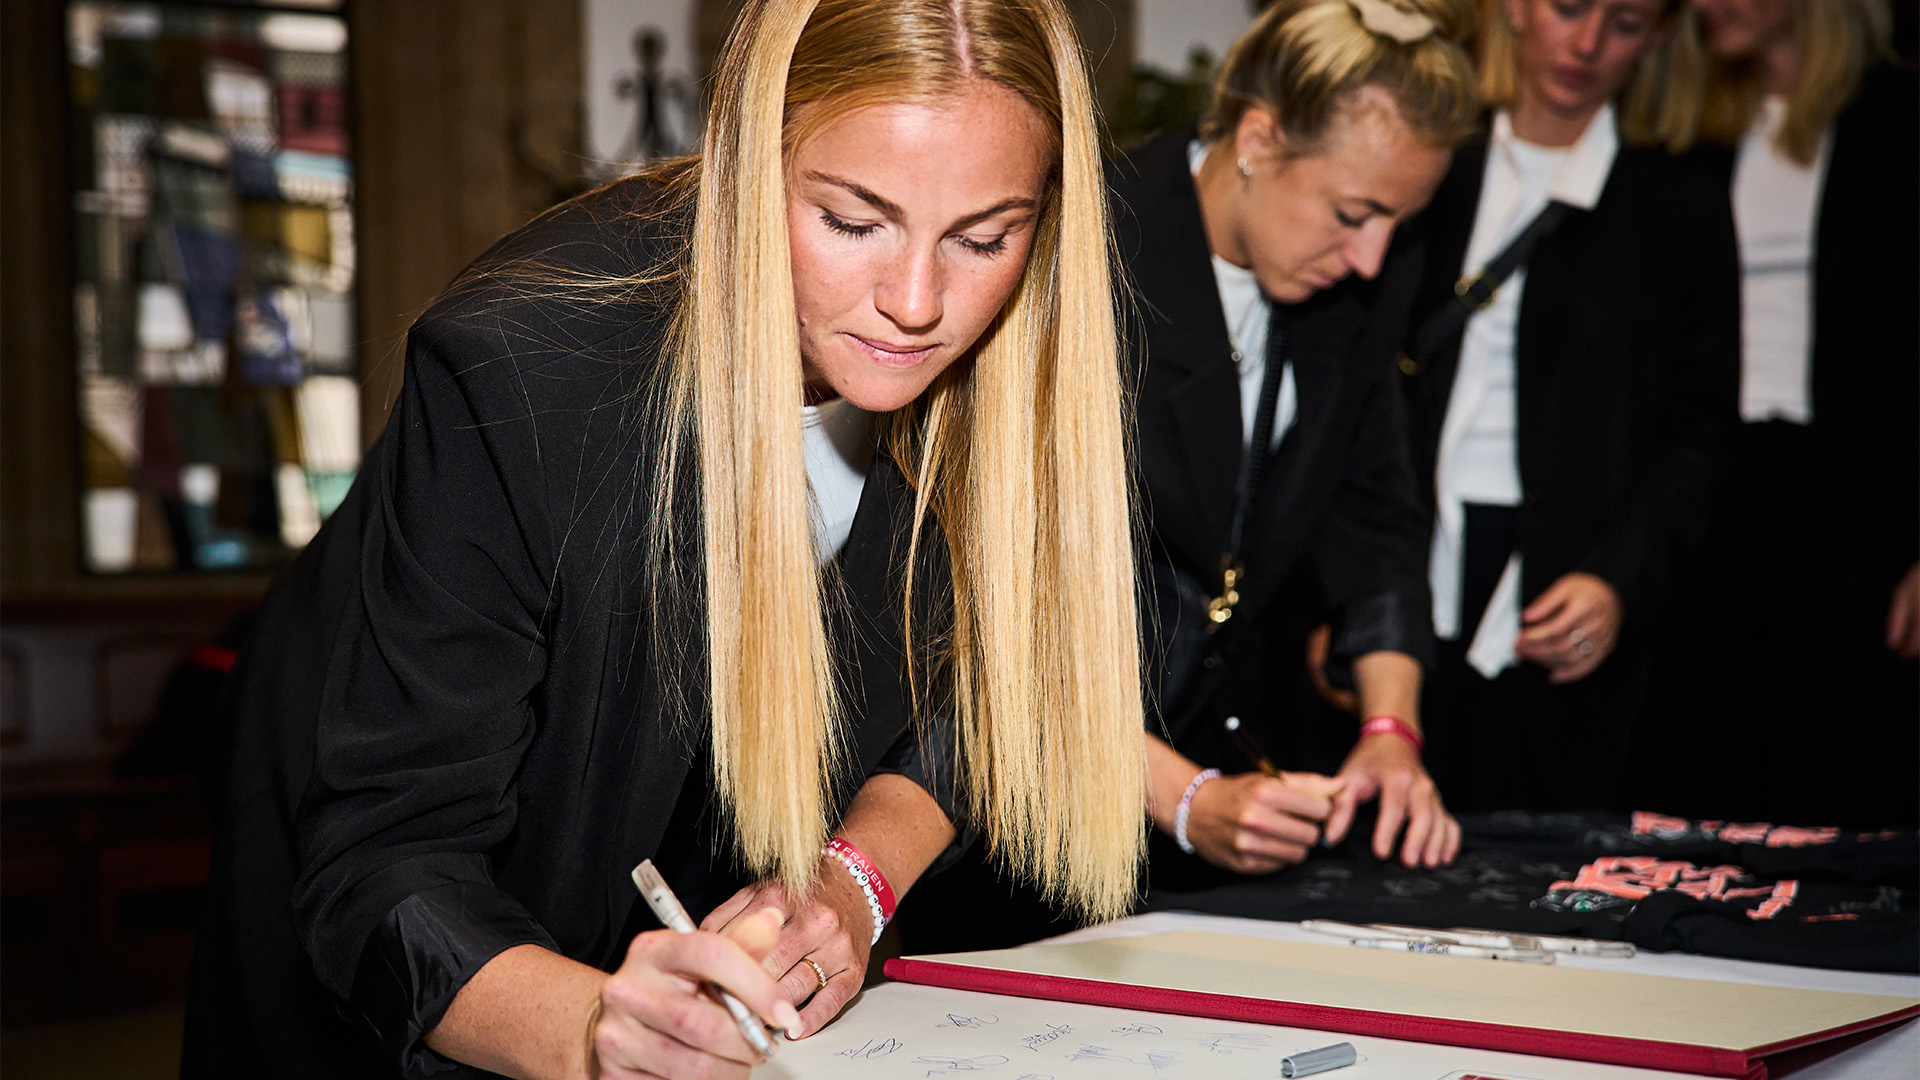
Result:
214,276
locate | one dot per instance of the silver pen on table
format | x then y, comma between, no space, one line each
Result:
666,907
1442,948
1486,939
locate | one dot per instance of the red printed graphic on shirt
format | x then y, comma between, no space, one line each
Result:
1665,827
1610,881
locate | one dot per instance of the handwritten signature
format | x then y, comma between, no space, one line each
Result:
950,1065
958,1021
1234,1043
1054,1031
1138,1029
1162,1060
869,1050
1089,1052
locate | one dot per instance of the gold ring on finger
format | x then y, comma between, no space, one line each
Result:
818,973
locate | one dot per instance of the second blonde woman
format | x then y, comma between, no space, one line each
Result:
1272,443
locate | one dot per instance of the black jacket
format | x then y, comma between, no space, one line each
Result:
1818,524
1626,368
458,728
1865,433
1339,499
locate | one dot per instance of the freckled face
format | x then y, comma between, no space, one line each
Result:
1575,55
909,226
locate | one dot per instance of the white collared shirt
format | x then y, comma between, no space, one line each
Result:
1248,311
1479,457
839,442
1775,202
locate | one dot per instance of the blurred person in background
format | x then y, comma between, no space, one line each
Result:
1795,689
1570,381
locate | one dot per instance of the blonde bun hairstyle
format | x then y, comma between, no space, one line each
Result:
1304,61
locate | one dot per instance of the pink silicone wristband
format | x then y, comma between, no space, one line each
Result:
1383,724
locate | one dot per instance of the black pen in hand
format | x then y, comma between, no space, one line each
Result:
1244,739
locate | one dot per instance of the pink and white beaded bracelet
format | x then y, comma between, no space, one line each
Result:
871,881
1186,807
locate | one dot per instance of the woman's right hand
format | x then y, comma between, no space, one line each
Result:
656,1019
1253,823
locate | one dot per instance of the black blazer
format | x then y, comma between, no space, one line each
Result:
458,727
1865,434
1339,497
1626,371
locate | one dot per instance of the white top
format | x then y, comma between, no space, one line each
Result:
1775,202
1248,311
839,442
1479,459
1486,467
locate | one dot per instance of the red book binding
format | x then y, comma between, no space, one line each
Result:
991,973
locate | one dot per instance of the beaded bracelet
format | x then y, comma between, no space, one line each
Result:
871,881
1392,724
1186,806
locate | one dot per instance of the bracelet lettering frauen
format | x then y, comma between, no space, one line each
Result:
1186,807
872,882
1379,725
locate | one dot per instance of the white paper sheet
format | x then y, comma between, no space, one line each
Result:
902,1030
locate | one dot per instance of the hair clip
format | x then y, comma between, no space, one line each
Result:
1392,21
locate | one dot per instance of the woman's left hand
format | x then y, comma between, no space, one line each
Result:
832,927
1387,766
1571,628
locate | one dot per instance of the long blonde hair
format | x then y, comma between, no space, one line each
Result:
1017,451
1839,40
1659,106
1303,60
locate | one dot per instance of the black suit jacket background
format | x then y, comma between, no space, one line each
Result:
1785,642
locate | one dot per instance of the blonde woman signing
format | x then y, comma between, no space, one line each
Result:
1812,607
1570,382
607,591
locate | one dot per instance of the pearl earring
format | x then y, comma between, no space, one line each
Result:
1246,172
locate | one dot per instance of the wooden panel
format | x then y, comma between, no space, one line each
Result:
467,119
39,526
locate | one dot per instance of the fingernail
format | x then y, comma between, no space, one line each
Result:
788,1017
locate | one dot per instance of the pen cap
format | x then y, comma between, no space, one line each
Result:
1308,1062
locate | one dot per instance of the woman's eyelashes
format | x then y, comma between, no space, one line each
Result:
984,247
867,228
1351,221
848,228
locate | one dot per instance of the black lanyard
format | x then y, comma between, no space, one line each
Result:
1253,466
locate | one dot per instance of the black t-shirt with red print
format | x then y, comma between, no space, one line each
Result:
1821,897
